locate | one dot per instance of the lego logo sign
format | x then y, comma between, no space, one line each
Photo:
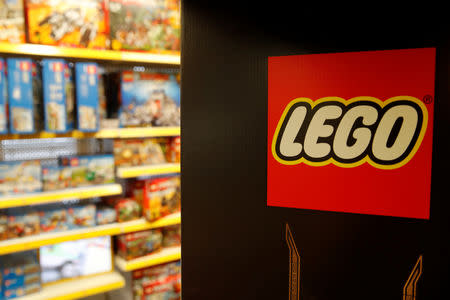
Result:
352,132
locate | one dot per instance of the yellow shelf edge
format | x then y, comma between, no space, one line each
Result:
107,133
164,256
79,287
83,53
148,170
55,196
37,241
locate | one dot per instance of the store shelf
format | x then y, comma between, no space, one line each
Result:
92,54
148,170
36,241
160,257
56,196
140,132
79,288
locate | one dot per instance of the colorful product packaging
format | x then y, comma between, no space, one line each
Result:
160,282
127,209
12,22
3,100
20,177
53,218
90,169
81,216
87,102
54,88
149,99
70,95
106,215
171,236
136,152
20,274
3,226
20,95
22,222
137,244
173,150
161,197
145,25
72,23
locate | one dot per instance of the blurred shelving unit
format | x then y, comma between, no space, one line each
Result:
91,54
39,240
164,256
79,288
60,195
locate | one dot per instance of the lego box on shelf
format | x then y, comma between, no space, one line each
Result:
81,216
54,88
161,197
145,25
23,222
89,169
53,218
72,23
12,22
20,177
3,100
20,274
137,244
149,99
136,152
23,95
70,95
87,102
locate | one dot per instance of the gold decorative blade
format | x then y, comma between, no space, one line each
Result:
294,266
410,288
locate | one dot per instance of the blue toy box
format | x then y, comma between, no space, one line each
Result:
23,95
3,100
87,103
54,88
149,99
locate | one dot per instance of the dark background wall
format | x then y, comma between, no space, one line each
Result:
233,244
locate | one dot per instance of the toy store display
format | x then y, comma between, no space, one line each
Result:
20,274
74,23
12,21
138,152
26,221
149,99
160,196
159,282
137,244
145,25
20,177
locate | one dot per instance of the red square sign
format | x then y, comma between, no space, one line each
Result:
352,132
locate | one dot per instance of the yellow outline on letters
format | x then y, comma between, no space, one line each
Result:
366,158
